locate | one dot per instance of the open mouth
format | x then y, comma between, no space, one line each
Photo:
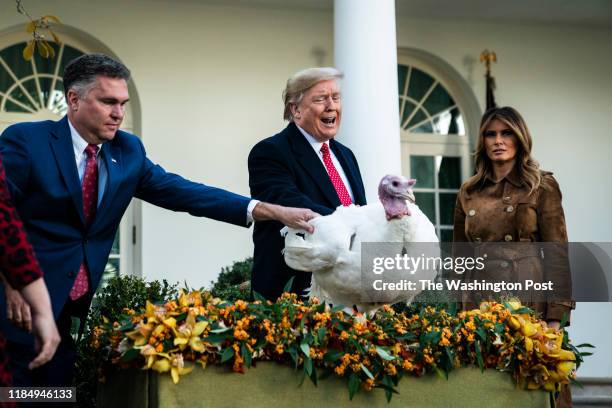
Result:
329,121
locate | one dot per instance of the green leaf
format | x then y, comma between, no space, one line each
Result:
441,374
305,349
365,370
337,308
288,285
479,355
353,384
130,355
247,356
259,297
564,320
332,356
221,330
585,345
313,376
294,355
308,366
384,354
321,334
227,354
216,338
576,383
481,333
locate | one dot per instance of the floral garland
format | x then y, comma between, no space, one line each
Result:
370,353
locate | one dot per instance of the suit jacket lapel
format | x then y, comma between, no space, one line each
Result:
61,145
307,157
111,155
350,171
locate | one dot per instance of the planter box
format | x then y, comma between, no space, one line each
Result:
272,385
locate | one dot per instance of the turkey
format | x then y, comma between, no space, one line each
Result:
333,253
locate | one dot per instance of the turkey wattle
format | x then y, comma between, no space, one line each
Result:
333,252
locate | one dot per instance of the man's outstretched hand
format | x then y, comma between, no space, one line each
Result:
292,217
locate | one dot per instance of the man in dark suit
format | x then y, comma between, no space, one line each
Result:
303,166
71,182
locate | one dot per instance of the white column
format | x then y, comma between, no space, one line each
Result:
365,49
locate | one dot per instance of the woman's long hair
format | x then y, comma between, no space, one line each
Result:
527,167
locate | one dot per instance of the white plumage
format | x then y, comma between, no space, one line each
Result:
333,251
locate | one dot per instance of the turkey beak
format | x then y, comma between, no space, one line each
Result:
408,195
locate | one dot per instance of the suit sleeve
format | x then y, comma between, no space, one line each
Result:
173,192
17,261
17,161
272,180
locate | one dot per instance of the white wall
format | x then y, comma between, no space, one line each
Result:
210,79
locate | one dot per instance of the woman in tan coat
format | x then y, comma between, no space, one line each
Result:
510,199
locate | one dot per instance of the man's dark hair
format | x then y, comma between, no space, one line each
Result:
82,71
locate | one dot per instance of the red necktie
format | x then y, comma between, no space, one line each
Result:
89,188
335,178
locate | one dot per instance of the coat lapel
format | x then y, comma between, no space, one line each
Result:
61,145
308,159
111,155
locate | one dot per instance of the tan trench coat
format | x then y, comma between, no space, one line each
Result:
504,212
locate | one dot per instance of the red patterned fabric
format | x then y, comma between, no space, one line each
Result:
89,187
335,178
17,262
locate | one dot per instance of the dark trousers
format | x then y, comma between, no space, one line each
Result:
59,372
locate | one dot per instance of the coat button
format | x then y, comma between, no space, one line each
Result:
478,239
509,208
472,213
508,237
504,264
506,199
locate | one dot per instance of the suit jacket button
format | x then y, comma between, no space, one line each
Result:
478,239
508,237
509,208
504,264
472,213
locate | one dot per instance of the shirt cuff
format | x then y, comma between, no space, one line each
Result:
250,207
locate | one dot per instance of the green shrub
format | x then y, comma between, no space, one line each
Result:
233,282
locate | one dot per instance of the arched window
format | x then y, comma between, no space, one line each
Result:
434,134
35,86
33,90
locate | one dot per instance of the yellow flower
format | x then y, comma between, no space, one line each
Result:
189,334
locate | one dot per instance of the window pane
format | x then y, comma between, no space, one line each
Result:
426,202
424,128
110,270
115,248
447,208
68,55
13,57
18,95
449,175
408,108
419,84
417,118
446,235
438,100
402,72
422,169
